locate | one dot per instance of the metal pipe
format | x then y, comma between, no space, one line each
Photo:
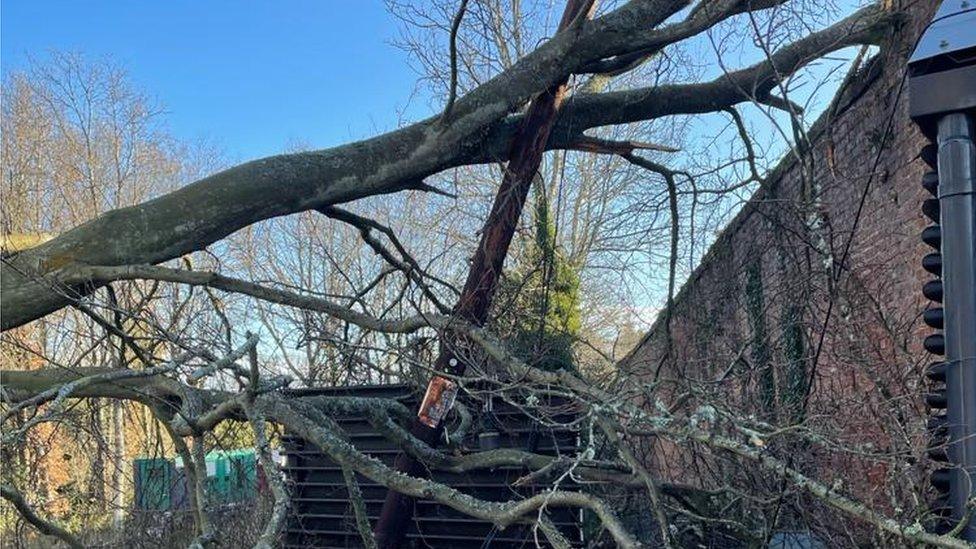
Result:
957,180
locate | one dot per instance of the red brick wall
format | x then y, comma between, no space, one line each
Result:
749,320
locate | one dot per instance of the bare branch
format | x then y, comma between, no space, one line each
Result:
359,508
43,526
452,94
197,215
282,501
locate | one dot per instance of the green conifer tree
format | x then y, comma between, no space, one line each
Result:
547,319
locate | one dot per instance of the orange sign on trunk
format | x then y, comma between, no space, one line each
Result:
438,400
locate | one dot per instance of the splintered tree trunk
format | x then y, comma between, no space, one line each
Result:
479,288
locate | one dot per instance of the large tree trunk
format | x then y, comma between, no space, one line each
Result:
43,279
482,280
195,216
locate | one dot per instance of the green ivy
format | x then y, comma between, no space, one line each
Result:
547,313
795,377
756,309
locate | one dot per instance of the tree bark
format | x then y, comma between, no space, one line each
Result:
40,280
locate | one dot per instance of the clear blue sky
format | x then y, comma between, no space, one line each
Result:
253,76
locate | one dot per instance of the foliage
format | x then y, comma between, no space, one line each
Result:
545,285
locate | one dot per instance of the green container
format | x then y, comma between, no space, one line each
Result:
231,477
241,475
153,479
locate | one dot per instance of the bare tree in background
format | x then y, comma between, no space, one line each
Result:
78,141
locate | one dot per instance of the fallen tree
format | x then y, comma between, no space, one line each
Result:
190,412
182,390
40,280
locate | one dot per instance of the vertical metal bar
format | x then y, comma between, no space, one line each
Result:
957,174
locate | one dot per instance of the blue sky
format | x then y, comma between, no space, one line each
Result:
258,77
252,76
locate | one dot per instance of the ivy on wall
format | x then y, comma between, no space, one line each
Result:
794,378
761,354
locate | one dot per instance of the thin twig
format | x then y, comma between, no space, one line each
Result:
452,93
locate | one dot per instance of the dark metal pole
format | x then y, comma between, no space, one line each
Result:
942,101
957,198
